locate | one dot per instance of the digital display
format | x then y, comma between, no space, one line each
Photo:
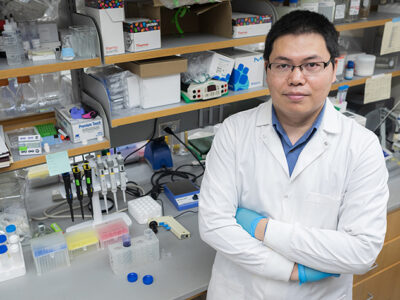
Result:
211,88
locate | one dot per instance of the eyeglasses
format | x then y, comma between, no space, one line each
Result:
308,69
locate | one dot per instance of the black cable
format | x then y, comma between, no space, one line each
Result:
150,139
185,212
103,211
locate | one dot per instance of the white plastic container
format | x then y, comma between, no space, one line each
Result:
365,65
144,208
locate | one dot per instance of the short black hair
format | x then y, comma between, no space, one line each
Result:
302,22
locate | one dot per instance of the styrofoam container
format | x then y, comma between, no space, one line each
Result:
365,65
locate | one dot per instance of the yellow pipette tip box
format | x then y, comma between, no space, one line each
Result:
82,241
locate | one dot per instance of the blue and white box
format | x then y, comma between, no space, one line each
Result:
79,130
248,70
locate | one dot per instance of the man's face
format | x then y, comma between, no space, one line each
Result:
294,95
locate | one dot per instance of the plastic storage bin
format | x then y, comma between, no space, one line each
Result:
111,232
50,252
143,249
80,242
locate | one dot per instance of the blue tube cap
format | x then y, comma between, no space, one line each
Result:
4,249
3,238
132,277
11,228
147,279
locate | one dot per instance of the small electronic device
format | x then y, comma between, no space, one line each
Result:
170,224
158,154
203,91
183,194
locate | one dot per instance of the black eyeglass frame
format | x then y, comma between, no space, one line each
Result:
331,60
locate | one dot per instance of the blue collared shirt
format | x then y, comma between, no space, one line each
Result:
292,152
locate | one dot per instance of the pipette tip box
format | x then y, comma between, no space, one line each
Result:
50,252
111,232
144,208
82,241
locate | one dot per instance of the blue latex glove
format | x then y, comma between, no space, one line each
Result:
307,274
248,219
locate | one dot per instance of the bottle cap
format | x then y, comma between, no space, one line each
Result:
293,1
3,82
3,238
14,248
132,277
343,87
147,279
350,64
11,228
13,239
23,79
4,249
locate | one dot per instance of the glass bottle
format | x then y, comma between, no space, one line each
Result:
7,99
340,11
353,10
294,3
365,6
26,95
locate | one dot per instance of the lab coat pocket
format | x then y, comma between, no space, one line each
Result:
320,210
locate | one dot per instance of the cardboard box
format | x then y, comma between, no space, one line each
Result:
104,4
246,25
142,34
215,18
109,22
159,80
216,65
248,71
79,129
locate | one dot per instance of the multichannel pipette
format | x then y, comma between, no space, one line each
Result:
78,185
68,192
113,179
88,175
122,175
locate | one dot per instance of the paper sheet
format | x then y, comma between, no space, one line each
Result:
378,88
58,163
391,37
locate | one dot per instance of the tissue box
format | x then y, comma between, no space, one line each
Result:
109,22
245,25
104,4
159,79
248,70
79,130
142,34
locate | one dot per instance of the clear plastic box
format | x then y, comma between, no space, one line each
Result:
111,232
50,252
80,242
144,208
144,249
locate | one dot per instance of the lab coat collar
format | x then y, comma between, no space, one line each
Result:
330,121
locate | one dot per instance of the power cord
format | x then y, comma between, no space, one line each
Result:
185,212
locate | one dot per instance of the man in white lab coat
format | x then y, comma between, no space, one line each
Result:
294,195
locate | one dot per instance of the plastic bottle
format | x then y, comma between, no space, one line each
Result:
26,95
340,11
7,99
11,232
342,93
365,8
4,260
15,254
349,72
294,3
353,10
11,44
20,42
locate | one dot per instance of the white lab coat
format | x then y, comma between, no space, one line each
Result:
329,215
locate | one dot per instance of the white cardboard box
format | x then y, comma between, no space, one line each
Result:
160,90
109,22
248,70
141,34
79,129
246,25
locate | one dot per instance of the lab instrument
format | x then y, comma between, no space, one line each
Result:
158,154
248,219
78,185
122,175
307,274
88,176
176,227
113,179
203,91
183,194
143,208
68,192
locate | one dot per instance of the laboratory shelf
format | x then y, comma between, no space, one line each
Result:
72,149
194,42
374,19
45,66
137,115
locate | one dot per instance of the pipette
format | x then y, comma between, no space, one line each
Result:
88,175
122,174
103,181
68,192
78,185
113,179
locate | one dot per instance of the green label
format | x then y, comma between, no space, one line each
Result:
23,148
88,181
77,183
